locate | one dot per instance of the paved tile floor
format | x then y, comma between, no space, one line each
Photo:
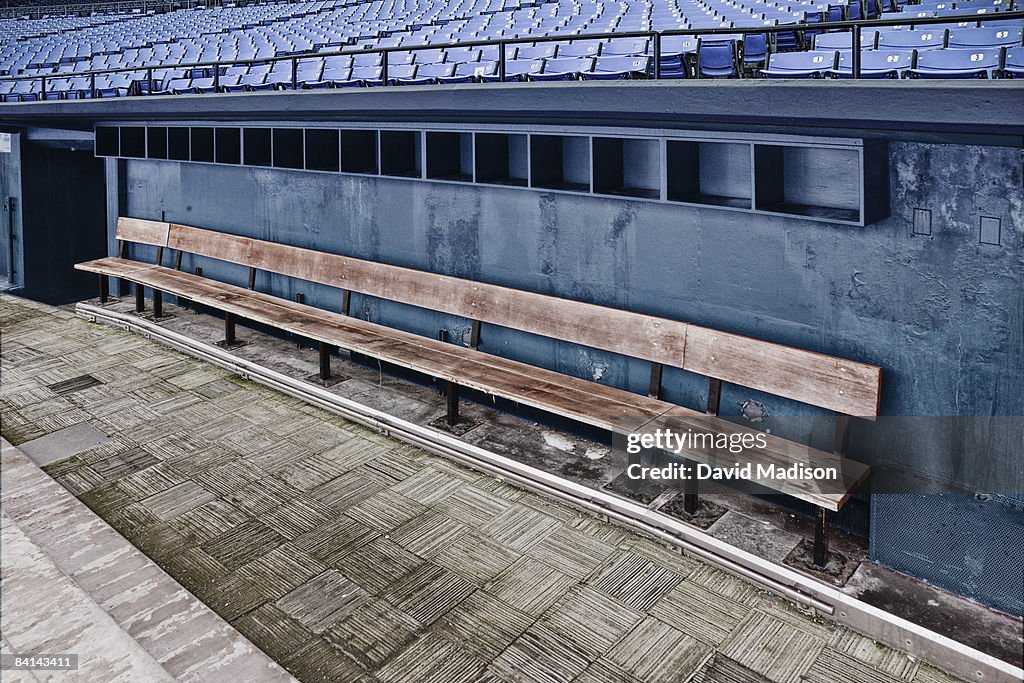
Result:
348,556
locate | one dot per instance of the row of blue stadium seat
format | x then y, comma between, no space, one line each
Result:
714,60
159,46
942,63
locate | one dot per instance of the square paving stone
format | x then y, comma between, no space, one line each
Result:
323,600
654,652
636,581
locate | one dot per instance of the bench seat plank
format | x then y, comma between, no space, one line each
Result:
779,452
113,266
588,402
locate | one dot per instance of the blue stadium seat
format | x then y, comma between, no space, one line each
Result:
954,63
432,56
471,72
518,70
755,50
925,39
542,51
401,72
427,74
619,67
590,48
874,64
458,55
811,64
1013,64
564,69
844,41
717,59
985,37
625,46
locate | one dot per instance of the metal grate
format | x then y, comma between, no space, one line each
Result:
972,545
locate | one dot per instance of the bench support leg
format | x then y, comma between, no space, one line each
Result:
821,537
158,303
690,488
229,329
452,398
325,361
140,298
104,289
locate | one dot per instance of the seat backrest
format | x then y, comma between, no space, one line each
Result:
432,56
568,66
367,59
365,73
542,51
803,61
1014,57
717,56
476,69
624,46
516,67
435,70
984,37
462,54
917,40
402,71
877,60
622,63
952,59
845,386
586,49
678,44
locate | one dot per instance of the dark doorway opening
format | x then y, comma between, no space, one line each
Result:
64,219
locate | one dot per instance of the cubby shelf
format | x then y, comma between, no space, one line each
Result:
823,179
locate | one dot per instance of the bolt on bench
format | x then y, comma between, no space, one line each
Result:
851,389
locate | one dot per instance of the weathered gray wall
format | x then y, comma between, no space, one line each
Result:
10,186
943,313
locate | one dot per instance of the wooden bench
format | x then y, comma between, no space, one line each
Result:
845,387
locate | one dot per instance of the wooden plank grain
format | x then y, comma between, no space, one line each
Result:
601,406
845,386
143,231
631,334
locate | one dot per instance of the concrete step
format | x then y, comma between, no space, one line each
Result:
71,584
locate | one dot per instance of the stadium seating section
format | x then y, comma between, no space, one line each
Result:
157,49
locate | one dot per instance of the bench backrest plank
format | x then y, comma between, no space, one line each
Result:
154,233
847,387
826,381
632,334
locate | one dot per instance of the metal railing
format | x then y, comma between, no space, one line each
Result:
85,9
503,44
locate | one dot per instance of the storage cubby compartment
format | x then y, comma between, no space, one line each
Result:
813,182
359,151
560,162
502,159
156,142
712,173
177,144
108,142
133,142
228,145
322,150
400,153
202,144
450,156
288,148
627,167
256,145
